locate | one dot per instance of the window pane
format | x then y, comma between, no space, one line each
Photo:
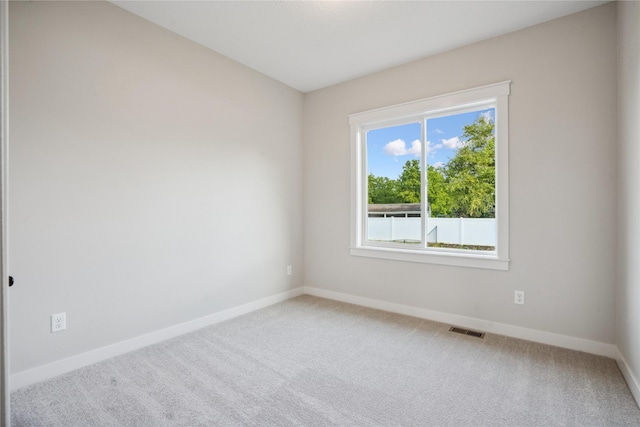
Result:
393,184
461,181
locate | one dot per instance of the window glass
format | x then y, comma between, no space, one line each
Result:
394,184
461,181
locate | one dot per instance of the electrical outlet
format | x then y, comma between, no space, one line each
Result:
58,322
518,297
289,270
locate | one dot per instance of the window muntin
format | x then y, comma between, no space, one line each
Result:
425,230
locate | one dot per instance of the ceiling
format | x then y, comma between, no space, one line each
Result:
309,45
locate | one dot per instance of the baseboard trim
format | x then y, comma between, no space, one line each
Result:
59,367
627,373
564,341
50,370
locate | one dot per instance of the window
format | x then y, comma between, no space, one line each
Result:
430,180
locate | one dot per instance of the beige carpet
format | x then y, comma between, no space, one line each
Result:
314,362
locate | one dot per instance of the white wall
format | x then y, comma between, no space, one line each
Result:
628,292
562,164
134,156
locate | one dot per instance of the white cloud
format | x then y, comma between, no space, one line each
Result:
416,147
452,143
432,148
438,131
487,116
395,148
438,165
399,148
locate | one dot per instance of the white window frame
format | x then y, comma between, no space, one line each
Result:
495,95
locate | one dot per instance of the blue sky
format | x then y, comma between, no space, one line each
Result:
388,149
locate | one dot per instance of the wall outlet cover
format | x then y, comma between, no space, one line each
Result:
58,322
518,297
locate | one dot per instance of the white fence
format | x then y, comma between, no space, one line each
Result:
461,231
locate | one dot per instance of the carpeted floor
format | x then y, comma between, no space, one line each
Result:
314,362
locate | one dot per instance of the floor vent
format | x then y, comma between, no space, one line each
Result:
467,332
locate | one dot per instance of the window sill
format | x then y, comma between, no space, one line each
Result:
490,262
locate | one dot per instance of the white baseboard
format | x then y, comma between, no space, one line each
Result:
564,341
50,370
44,372
632,380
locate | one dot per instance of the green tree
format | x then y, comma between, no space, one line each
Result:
470,174
382,190
439,198
409,182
